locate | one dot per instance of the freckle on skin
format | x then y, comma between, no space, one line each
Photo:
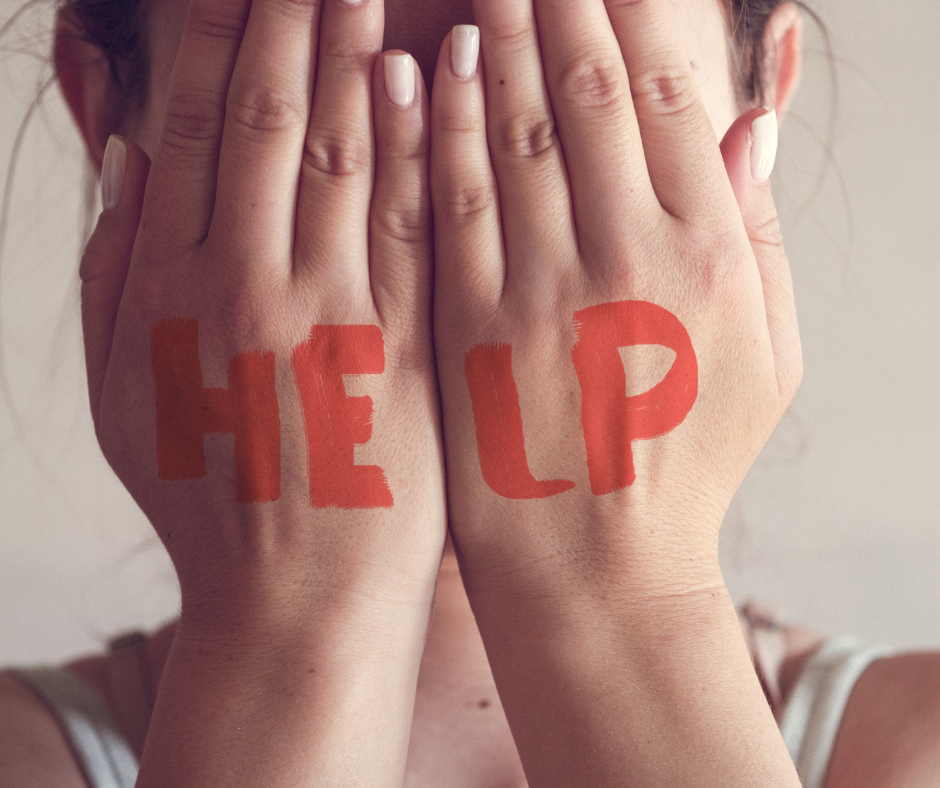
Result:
484,704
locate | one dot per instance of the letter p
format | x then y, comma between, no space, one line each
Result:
611,420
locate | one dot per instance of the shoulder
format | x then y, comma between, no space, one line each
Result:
889,736
33,751
890,732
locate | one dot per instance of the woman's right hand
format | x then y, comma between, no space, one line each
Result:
283,253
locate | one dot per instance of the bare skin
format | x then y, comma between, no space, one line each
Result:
459,734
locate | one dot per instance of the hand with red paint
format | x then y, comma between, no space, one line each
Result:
261,377
616,339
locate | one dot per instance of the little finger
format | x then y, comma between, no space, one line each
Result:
749,148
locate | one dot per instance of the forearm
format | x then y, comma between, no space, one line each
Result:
324,699
604,691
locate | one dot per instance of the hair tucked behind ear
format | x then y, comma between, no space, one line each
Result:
118,28
748,20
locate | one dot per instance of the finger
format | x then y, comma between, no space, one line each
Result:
535,200
107,256
590,95
400,222
336,178
749,149
185,166
266,119
468,243
678,140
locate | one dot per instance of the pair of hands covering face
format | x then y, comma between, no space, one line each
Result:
280,249
294,186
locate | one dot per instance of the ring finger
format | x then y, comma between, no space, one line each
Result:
336,176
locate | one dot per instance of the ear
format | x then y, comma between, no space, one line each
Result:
90,92
783,45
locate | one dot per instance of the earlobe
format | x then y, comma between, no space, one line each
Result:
89,91
783,43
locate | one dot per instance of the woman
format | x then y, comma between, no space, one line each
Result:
263,268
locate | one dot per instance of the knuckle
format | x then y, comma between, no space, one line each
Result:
402,222
510,35
715,275
294,7
337,154
410,352
349,53
716,278
664,92
767,234
527,135
467,200
412,153
215,23
625,5
261,110
460,123
593,82
241,308
192,118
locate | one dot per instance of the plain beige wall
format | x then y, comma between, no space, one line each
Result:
838,524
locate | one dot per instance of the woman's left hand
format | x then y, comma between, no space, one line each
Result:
584,216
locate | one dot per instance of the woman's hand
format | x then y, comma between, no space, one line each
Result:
614,347
278,293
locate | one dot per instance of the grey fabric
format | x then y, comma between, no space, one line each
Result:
103,753
811,719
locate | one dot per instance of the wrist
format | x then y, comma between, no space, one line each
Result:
316,603
587,560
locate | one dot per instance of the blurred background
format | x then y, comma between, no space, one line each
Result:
838,523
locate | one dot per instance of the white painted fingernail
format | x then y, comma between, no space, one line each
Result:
763,146
465,51
112,172
400,80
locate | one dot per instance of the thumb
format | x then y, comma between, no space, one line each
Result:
107,256
749,150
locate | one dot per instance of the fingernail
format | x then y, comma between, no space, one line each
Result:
763,146
465,51
112,172
400,80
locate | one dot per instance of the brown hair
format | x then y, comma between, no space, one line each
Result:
748,22
118,29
